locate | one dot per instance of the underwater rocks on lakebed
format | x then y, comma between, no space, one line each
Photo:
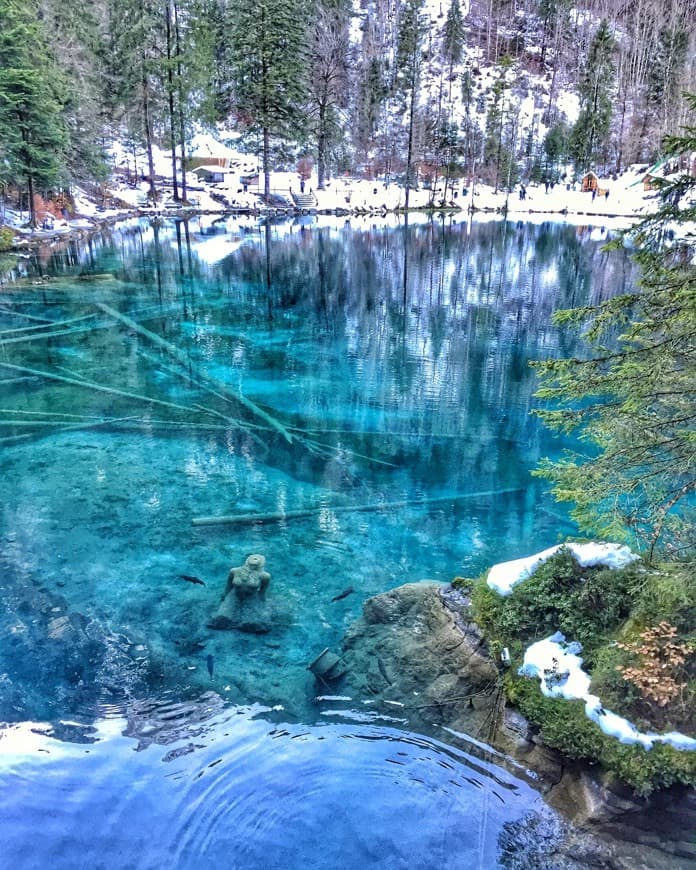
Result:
410,649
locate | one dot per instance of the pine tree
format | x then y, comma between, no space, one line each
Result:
633,401
77,49
408,71
665,71
268,63
371,89
501,131
134,58
590,133
32,128
453,36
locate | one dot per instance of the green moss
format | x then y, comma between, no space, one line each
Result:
561,724
597,606
564,726
584,603
464,584
668,593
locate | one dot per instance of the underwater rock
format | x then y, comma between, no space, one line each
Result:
407,648
164,722
60,661
251,615
244,606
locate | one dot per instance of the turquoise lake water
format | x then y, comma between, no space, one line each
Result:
262,370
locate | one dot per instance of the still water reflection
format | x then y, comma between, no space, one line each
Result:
168,372
370,385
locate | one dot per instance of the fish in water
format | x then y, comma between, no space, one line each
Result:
189,579
344,594
210,661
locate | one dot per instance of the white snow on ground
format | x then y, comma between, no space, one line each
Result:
503,576
558,666
627,200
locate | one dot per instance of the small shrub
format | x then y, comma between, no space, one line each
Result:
639,669
584,603
465,585
668,594
6,237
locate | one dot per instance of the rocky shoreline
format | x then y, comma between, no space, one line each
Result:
415,652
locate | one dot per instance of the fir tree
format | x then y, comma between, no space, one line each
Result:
408,70
589,135
32,127
268,57
329,50
77,49
633,401
453,36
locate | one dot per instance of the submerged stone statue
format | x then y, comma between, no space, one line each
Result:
244,606
249,578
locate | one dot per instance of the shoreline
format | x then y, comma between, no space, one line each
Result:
28,241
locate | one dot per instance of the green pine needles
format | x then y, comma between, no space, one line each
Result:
632,401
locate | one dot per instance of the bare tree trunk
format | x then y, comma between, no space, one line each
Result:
266,166
182,126
32,207
148,135
170,96
321,147
411,113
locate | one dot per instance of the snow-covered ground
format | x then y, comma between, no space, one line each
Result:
505,575
627,201
558,666
557,663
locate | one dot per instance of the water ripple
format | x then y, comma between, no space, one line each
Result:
242,794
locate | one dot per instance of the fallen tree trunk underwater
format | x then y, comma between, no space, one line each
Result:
279,517
220,386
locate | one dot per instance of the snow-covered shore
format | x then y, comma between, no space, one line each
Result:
239,189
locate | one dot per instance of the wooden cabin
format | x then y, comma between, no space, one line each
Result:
590,182
205,150
211,174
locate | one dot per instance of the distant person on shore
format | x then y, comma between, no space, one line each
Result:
523,192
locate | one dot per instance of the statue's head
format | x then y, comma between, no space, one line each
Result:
255,562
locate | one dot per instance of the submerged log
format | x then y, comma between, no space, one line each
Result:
280,516
44,326
220,386
100,388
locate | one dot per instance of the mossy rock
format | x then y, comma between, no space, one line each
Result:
598,607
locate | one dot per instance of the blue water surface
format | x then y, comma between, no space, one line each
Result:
245,793
171,371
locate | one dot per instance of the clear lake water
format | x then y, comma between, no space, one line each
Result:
372,377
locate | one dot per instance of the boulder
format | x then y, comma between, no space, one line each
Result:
407,648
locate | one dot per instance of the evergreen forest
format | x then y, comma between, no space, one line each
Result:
504,89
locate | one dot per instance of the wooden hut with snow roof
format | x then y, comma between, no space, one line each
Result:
204,150
590,182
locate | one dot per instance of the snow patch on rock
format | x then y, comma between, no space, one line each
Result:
505,575
558,666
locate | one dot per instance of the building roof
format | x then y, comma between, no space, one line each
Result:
205,145
212,168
